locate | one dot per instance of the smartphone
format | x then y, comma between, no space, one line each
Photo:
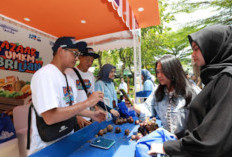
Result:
103,143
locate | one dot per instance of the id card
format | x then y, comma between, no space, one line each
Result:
102,143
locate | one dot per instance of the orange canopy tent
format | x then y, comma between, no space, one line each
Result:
81,18
85,20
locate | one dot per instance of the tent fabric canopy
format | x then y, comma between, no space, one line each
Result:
81,18
111,41
145,13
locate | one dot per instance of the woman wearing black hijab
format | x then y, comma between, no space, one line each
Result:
209,126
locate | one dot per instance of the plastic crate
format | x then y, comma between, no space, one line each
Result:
143,93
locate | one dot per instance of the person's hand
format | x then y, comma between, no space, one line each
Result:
156,148
132,100
99,116
82,122
95,97
137,108
96,108
114,112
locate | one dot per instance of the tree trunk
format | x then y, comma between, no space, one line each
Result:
132,73
122,70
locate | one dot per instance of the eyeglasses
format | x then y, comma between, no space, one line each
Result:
76,53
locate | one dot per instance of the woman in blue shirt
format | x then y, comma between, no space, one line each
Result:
148,84
106,85
172,96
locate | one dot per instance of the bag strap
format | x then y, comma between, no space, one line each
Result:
29,125
76,126
82,82
29,128
100,103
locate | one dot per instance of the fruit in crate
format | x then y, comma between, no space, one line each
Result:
8,86
10,94
25,95
17,86
26,89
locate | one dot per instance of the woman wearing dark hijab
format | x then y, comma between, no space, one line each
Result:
106,85
209,126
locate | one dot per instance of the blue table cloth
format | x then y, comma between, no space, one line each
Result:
78,144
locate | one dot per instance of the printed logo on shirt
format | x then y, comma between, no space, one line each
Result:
66,95
87,84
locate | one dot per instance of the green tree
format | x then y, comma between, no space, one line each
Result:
108,57
177,42
126,56
222,8
154,38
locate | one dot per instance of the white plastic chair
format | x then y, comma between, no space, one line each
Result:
20,117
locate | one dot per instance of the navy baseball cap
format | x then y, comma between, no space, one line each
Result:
81,46
65,42
89,52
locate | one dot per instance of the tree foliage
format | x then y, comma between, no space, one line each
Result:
222,14
222,9
159,40
154,38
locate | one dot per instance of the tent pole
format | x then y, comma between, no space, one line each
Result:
137,60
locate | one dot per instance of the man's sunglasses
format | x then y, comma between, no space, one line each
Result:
76,53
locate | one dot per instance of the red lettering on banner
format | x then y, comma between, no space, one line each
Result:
5,44
19,49
27,50
33,52
13,46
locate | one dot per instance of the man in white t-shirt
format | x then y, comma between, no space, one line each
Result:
123,86
50,95
86,59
